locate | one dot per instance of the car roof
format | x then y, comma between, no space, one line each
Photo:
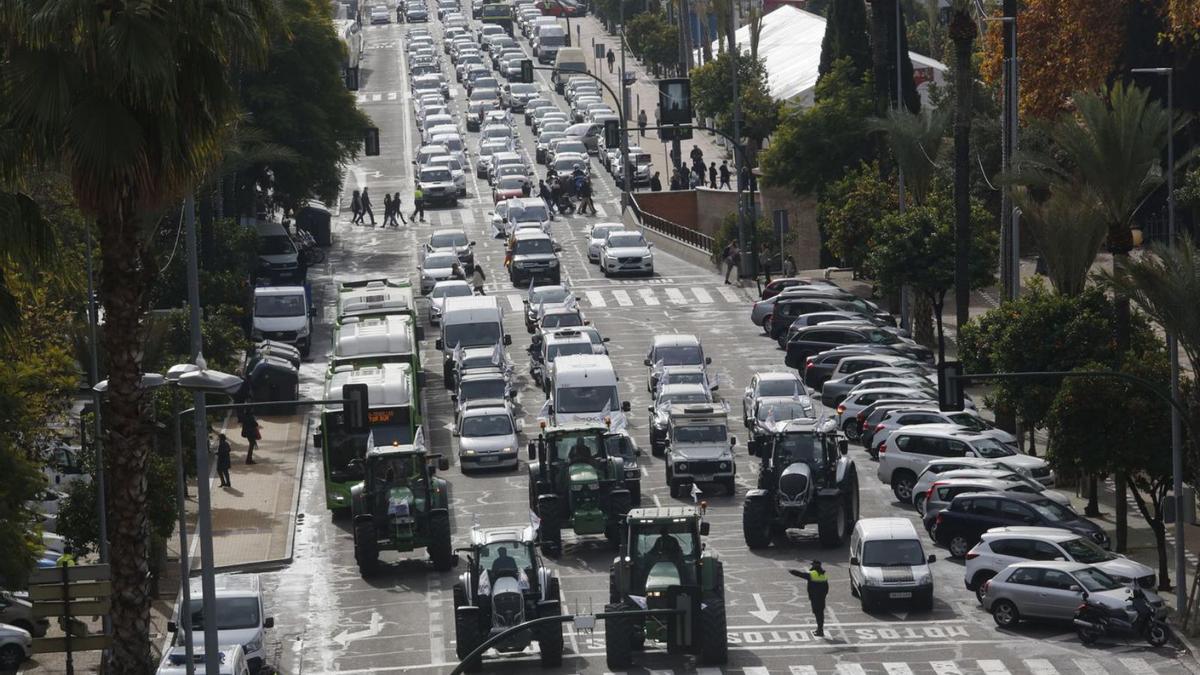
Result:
887,528
1061,565
776,375
685,388
486,406
675,340
1054,534
943,429
531,233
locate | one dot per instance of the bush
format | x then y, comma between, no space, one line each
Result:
848,211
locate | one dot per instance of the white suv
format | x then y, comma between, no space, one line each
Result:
1002,546
905,455
16,645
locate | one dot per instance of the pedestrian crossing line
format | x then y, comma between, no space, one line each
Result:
1136,666
729,294
391,96
1090,667
1040,667
802,670
756,670
702,296
376,97
623,298
676,296
896,669
708,671
516,302
992,667
945,668
647,295
851,669
662,672
596,299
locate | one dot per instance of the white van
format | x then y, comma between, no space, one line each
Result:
240,617
568,60
283,314
888,563
470,321
581,387
549,40
233,661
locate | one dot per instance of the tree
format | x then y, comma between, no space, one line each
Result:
653,39
848,210
817,145
883,58
712,85
299,100
846,38
915,140
141,104
917,248
1085,437
1068,227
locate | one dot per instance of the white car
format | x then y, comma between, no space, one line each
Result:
456,171
434,268
380,14
16,645
596,237
626,251
445,289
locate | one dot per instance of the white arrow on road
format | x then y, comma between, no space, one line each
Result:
762,612
345,637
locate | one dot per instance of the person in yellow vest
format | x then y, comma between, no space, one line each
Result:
67,559
818,588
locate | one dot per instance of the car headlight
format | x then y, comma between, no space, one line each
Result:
924,579
253,646
681,466
632,473
723,466
303,330
468,452
554,262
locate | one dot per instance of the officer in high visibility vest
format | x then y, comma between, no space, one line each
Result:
67,559
818,588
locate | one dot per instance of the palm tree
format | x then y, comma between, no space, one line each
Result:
1068,227
27,242
135,119
916,139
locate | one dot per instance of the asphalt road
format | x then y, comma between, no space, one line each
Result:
330,620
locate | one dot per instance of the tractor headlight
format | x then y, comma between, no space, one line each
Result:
681,466
577,487
631,473
723,466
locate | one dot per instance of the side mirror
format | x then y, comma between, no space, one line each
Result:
650,409
472,243
625,406
454,397
704,528
454,432
932,558
1075,589
172,627
507,340
844,449
269,622
732,441
439,344
604,339
646,361
854,561
708,360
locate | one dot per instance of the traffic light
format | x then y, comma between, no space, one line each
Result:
675,101
354,408
612,134
527,71
950,386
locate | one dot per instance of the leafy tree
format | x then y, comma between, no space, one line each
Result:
915,140
1085,437
962,32
654,40
848,210
300,102
142,100
1068,227
711,87
815,146
763,231
846,38
917,248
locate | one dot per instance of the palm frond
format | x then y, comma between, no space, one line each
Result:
916,140
1165,283
1069,229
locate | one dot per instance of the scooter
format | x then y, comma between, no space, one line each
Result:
1093,620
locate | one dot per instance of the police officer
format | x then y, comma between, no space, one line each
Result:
818,588
67,559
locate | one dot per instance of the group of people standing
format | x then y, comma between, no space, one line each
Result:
360,207
556,192
699,175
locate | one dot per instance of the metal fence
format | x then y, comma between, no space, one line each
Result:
674,230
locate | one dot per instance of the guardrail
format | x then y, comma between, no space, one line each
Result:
674,230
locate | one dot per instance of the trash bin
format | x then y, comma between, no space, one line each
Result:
274,379
1189,506
272,348
317,219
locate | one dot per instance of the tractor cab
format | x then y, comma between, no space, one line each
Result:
808,443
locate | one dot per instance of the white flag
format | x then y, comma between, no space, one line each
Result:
534,521
530,291
639,600
619,422
696,492
571,302
458,353
544,413
606,410
497,355
541,308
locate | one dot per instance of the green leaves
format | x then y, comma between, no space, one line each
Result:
712,87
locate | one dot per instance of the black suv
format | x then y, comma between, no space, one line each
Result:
960,526
821,367
534,256
813,340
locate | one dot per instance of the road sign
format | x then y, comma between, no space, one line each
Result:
78,644
84,589
599,50
54,575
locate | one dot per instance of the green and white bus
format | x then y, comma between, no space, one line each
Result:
376,297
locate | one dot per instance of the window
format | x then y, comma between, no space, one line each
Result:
1059,581
1026,576
955,448
1016,512
824,336
1044,550
983,507
487,425
918,419
1017,548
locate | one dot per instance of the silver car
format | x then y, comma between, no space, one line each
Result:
1049,590
902,417
943,491
442,290
833,391
487,437
436,267
781,383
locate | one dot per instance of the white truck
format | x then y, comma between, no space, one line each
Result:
699,448
582,387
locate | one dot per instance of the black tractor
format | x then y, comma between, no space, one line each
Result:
663,566
805,478
506,585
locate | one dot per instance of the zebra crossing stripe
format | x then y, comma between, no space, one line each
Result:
376,97
392,96
622,298
897,668
1136,665
647,295
676,296
1090,667
596,299
708,671
514,301
802,670
945,668
729,294
702,296
992,667
1040,667
851,669
756,670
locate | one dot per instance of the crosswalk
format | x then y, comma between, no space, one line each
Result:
1125,665
377,96
695,296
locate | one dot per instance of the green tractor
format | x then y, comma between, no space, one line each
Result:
574,482
662,565
401,505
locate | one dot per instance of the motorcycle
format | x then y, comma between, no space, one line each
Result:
1093,620
309,251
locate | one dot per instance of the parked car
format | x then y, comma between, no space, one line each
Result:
961,525
813,340
1049,590
16,645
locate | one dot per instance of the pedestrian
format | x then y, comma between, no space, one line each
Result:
252,432
366,206
789,266
676,159
224,461
764,261
387,208
611,59
418,204
544,193
526,188
457,273
356,208
478,279
697,155
732,257
818,588
712,175
585,197
642,123
724,171
67,559
655,183
698,169
396,208
675,184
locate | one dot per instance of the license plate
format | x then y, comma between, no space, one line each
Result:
489,460
897,596
702,478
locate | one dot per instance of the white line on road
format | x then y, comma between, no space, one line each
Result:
656,501
676,296
945,668
805,670
851,669
1040,667
702,296
392,95
1090,667
376,97
514,301
1136,666
437,652
897,668
756,670
596,298
729,294
647,295
992,667
622,298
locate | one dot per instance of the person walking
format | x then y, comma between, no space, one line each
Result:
724,171
642,123
655,183
697,155
252,432
612,58
712,175
418,204
387,208
698,169
356,208
396,208
764,261
224,461
544,193
732,256
789,266
366,206
478,279
585,197
818,588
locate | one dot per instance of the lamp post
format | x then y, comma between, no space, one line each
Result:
185,562
1173,352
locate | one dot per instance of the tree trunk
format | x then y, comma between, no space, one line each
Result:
1121,511
962,32
922,326
126,272
938,305
880,46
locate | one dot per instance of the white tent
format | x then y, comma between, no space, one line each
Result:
790,45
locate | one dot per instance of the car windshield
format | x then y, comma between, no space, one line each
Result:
969,421
275,244
601,232
626,241
478,95
510,183
892,553
451,291
785,410
533,246
682,398
1094,580
1053,511
439,261
990,449
701,433
505,555
529,213
548,295
570,146
487,425
269,306
567,349
1086,551
483,334
585,399
448,239
435,176
232,613
679,356
547,136
522,88
781,388
882,337
684,378
561,321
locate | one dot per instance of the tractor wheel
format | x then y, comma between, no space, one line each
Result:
366,548
441,551
550,639
851,508
714,646
618,638
468,635
756,523
550,531
830,519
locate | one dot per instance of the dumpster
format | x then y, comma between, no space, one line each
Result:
316,219
274,379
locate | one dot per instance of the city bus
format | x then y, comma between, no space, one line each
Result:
376,297
499,13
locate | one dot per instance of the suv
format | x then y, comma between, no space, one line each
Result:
929,414
672,350
667,396
961,525
847,359
534,256
834,390
699,449
849,409
813,340
904,456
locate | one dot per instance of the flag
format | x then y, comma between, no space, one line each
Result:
541,307
530,291
639,600
485,583
696,492
770,421
619,422
606,410
534,521
571,302
544,413
458,353
497,355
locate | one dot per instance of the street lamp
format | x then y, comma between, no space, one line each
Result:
1173,351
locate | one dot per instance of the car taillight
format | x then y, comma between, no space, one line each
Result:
1081,607
938,520
808,365
879,427
971,555
864,427
841,409
984,588
883,447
